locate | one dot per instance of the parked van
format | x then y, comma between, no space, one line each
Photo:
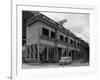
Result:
65,60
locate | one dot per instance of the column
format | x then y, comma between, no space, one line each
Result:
74,55
71,54
62,52
34,51
38,53
47,52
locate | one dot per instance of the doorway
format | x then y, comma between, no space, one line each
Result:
59,53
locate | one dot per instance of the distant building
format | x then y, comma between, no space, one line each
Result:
46,40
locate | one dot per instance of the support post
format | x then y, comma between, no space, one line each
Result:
34,51
38,53
47,52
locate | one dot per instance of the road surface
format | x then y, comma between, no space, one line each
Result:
53,65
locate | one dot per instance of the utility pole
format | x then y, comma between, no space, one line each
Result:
60,23
56,50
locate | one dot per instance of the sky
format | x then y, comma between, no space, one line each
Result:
78,23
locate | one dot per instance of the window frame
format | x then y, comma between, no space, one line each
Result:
61,39
44,32
52,34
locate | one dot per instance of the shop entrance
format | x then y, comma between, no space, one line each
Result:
51,51
59,53
43,55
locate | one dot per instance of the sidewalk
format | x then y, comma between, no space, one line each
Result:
78,61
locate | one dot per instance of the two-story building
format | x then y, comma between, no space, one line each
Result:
46,40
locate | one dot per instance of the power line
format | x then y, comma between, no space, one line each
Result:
83,35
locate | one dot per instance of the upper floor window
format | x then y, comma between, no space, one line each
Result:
61,38
45,32
74,42
71,41
78,44
66,39
52,34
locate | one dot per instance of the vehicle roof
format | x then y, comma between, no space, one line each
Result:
65,57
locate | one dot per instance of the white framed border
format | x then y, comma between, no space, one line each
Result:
16,70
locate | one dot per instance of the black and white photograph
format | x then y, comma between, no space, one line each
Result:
55,39
50,40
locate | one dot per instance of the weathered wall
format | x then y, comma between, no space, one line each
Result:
32,35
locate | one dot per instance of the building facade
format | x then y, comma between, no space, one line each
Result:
48,41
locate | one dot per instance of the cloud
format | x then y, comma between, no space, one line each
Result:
76,22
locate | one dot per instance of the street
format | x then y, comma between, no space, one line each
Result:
53,65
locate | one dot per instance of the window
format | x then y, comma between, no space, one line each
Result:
52,34
66,39
78,44
71,41
61,38
75,43
45,32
